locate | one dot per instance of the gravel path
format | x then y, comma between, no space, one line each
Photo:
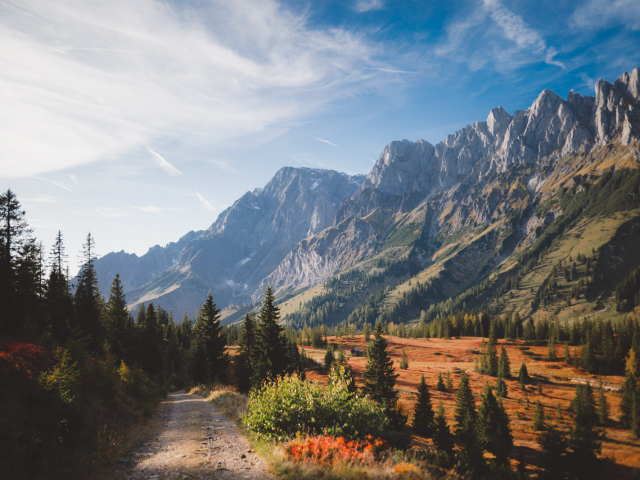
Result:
189,438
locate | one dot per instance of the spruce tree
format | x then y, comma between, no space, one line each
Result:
504,366
442,437
88,302
628,392
329,358
465,414
116,318
440,384
151,341
567,355
270,359
501,388
243,367
404,361
423,410
492,359
538,417
367,332
523,376
584,438
554,445
58,301
380,377
208,337
342,356
602,406
551,349
493,430
448,381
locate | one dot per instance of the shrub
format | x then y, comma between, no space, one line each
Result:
328,450
289,405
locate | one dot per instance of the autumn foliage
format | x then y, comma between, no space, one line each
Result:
330,451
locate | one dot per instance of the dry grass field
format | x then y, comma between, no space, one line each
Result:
557,381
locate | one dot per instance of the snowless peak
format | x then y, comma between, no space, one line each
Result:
498,120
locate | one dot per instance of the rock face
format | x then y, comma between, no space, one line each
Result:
250,239
135,271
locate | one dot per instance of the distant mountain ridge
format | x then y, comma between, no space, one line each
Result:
462,212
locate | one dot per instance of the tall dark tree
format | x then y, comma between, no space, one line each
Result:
246,344
116,316
602,406
210,344
88,302
14,230
554,445
270,354
501,388
628,391
150,339
494,432
584,438
423,410
504,365
465,416
440,383
329,357
523,376
380,377
538,417
58,301
442,436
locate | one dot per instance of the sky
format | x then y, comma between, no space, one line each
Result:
140,121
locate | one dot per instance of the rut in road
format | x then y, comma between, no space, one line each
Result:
190,438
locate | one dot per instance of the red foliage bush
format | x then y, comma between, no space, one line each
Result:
24,358
328,450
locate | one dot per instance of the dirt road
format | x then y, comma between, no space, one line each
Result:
190,439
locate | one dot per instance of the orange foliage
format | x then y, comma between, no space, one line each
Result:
24,358
321,450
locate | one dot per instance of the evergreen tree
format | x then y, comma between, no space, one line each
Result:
88,302
441,433
465,415
584,438
523,376
440,385
151,340
551,349
554,446
329,358
342,356
494,432
380,377
504,366
116,318
270,359
404,361
58,302
246,343
567,355
628,392
448,381
538,417
602,406
210,343
501,388
423,411
367,332
492,359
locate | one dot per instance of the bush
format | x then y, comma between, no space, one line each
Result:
289,405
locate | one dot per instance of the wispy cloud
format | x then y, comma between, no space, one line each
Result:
157,210
326,141
163,164
39,200
112,212
300,162
57,184
362,6
604,13
86,82
206,203
223,165
73,178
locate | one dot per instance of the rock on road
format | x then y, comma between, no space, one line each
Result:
190,439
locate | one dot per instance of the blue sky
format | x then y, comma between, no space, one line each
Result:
139,121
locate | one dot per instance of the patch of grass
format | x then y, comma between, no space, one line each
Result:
225,398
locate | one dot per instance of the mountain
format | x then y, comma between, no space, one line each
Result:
249,239
136,271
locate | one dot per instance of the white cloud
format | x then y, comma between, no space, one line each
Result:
163,164
326,141
39,200
92,81
112,212
157,210
604,13
362,6
300,162
57,184
206,203
223,165
73,178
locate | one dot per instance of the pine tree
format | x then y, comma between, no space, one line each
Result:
88,302
551,349
423,411
584,438
501,388
342,356
367,332
602,406
211,342
440,385
538,417
380,377
151,341
492,359
448,381
270,358
442,437
243,367
567,355
504,366
523,376
554,446
404,361
494,432
558,411
329,358
116,318
628,392
58,302
465,413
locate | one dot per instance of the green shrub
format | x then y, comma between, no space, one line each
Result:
289,405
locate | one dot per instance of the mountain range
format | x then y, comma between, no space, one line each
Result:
483,219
